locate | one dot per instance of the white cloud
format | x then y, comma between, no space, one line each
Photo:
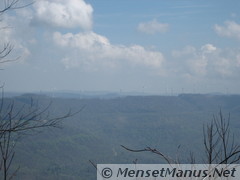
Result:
153,27
208,48
230,29
85,49
91,49
64,13
207,61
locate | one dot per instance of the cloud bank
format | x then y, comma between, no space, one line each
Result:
89,48
72,45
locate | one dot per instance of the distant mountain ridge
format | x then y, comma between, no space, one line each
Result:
105,94
96,133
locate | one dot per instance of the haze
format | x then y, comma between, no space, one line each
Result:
150,46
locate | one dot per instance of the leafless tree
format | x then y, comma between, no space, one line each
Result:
7,5
15,120
219,144
7,47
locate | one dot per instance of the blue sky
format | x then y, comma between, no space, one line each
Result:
151,46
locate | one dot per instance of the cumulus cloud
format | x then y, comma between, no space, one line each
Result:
208,48
229,29
64,14
207,61
91,49
153,27
85,49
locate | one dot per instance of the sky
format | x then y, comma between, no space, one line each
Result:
148,46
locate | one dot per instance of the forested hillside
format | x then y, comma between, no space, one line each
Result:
96,133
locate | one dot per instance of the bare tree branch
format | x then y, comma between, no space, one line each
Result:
16,121
219,144
155,151
12,5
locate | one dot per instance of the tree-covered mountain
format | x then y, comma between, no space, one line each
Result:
103,124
